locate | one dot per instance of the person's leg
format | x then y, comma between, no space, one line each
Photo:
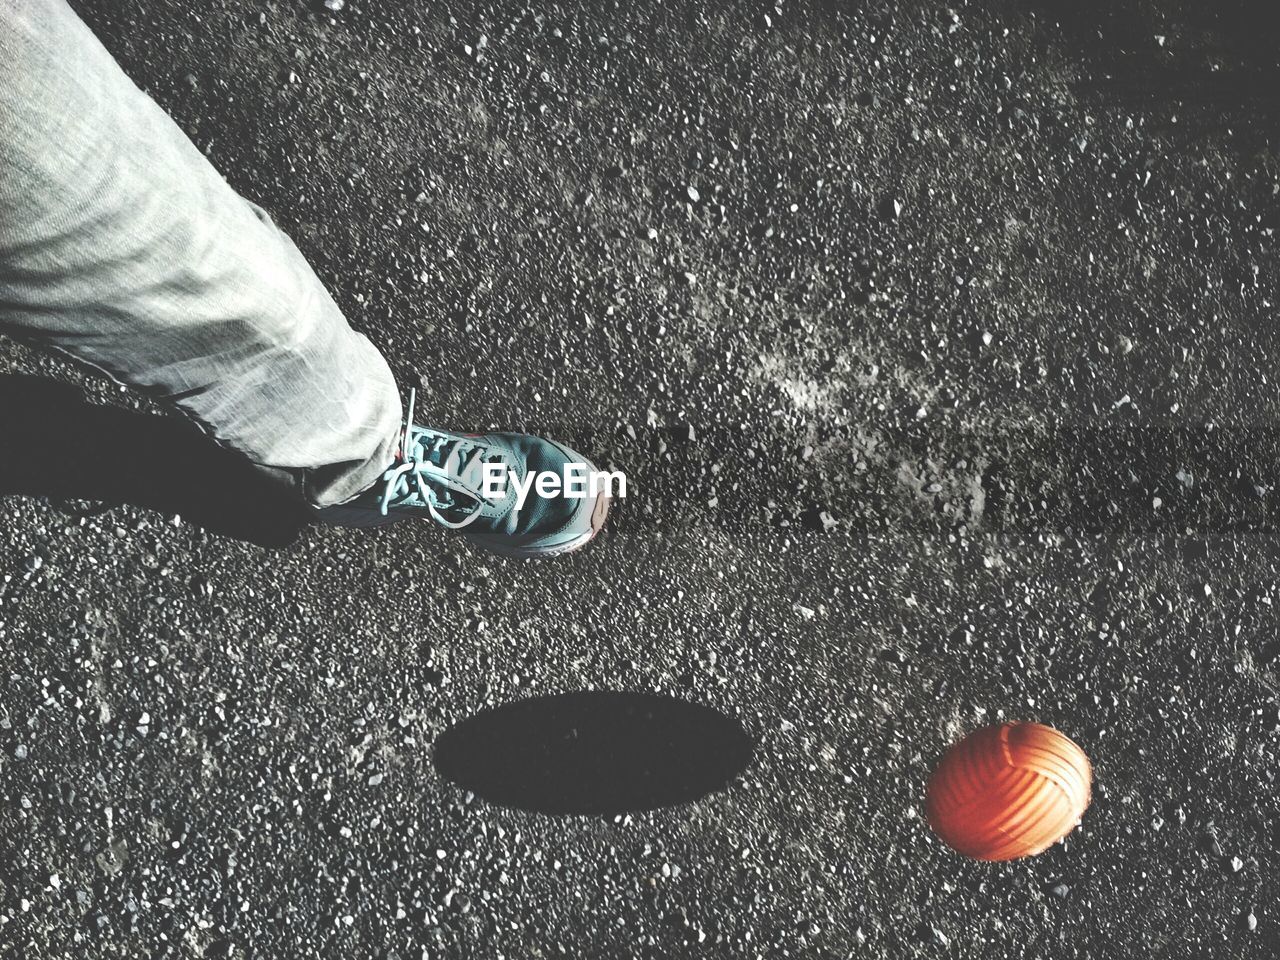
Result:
122,246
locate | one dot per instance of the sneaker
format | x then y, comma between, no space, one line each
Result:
440,476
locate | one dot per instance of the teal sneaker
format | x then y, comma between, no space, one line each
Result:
452,480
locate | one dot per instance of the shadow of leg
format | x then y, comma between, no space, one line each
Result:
55,444
594,752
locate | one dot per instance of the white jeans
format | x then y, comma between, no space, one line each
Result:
122,246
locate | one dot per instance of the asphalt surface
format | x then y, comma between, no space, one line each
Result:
938,345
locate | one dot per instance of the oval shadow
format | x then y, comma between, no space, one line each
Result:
594,752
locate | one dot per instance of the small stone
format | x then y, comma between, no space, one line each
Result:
693,194
815,518
334,5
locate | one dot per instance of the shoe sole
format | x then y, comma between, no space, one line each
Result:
599,512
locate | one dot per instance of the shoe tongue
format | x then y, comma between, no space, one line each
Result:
461,458
441,448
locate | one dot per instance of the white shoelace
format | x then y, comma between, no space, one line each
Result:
421,470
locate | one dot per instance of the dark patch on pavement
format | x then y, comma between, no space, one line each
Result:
594,752
58,445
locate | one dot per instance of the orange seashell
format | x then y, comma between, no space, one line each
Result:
1007,791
